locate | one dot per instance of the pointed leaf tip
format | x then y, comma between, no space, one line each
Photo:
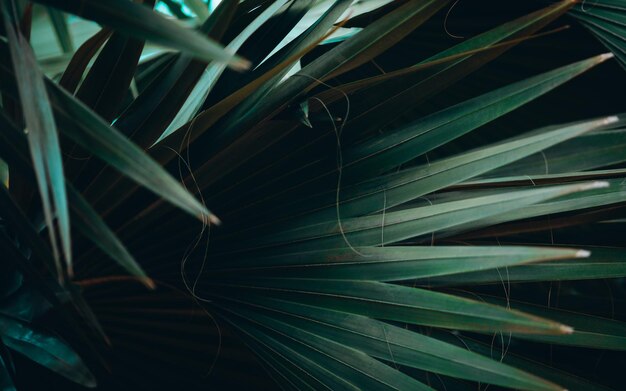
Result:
240,64
594,185
583,254
605,56
149,283
213,219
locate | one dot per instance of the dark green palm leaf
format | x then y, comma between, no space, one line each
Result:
45,349
398,345
606,19
384,220
42,139
140,22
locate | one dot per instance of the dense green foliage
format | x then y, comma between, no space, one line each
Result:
351,227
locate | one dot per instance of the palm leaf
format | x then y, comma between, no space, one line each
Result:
399,303
42,138
361,244
45,349
138,21
602,263
89,222
606,19
397,345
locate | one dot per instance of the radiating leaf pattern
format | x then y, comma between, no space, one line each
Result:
394,217
606,19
